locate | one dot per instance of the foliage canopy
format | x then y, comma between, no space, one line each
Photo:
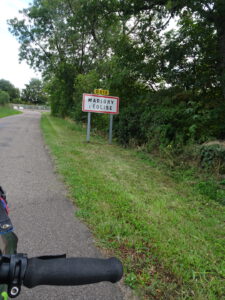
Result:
4,97
8,87
164,58
34,92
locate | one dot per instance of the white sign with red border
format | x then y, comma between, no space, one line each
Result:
100,104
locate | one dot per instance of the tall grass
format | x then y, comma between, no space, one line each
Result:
169,236
7,111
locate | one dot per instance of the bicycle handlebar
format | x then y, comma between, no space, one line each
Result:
71,271
17,270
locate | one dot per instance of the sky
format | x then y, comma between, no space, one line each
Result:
17,73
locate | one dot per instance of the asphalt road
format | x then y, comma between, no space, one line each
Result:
42,215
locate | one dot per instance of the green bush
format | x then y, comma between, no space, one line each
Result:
84,83
4,97
60,90
168,117
212,156
18,101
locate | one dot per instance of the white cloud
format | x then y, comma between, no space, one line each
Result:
10,68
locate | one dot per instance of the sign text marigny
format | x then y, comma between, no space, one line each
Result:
100,104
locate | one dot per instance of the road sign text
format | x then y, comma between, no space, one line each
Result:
100,104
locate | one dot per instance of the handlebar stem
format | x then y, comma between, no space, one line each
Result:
12,271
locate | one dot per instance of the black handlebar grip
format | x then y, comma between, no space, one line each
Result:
71,271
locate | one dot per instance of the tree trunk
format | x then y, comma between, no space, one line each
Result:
221,42
220,26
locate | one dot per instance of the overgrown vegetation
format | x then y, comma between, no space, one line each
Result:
167,227
34,93
164,59
8,92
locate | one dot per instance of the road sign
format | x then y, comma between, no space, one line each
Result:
100,104
101,92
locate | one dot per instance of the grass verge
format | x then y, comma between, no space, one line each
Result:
7,111
169,236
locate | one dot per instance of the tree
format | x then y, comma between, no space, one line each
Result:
208,14
34,92
63,39
129,46
4,97
8,87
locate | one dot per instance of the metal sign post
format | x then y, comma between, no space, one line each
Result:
89,127
110,128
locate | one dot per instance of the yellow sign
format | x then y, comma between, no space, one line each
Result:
101,92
